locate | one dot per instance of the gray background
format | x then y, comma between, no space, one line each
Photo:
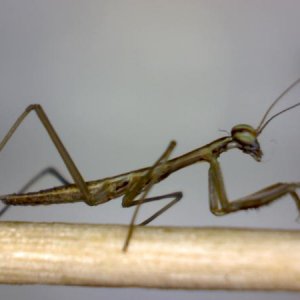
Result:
119,79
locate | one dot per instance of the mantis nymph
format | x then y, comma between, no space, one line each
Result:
139,182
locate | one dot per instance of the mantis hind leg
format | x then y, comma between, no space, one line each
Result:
220,205
142,187
48,171
73,170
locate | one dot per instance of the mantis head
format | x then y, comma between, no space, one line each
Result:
245,136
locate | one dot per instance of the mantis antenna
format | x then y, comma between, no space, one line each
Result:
264,123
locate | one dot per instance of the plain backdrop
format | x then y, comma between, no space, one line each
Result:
120,79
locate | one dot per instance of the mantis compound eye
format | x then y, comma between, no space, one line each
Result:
245,137
243,134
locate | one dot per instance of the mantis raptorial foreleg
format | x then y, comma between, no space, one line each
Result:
220,205
74,172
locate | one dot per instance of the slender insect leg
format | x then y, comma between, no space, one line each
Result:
48,171
176,195
77,177
220,205
143,186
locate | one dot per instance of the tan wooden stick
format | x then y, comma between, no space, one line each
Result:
158,257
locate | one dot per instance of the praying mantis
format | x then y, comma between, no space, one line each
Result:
134,186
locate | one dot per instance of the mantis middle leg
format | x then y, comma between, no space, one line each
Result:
143,186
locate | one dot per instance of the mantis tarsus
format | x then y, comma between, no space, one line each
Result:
139,182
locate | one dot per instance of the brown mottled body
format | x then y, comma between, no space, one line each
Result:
113,187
